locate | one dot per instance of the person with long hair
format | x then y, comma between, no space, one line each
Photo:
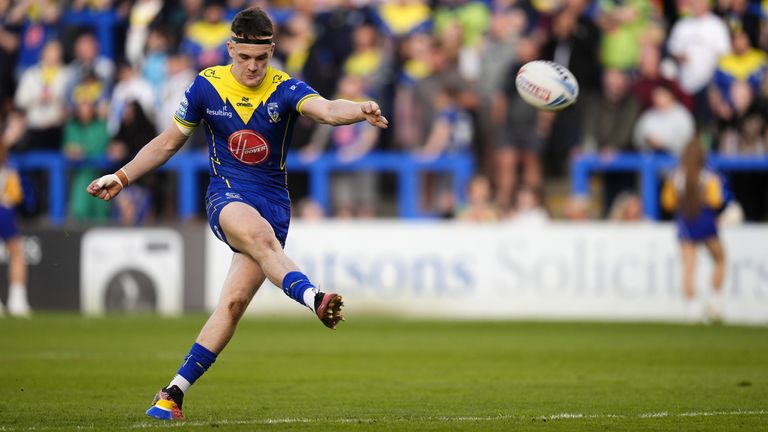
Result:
695,193
11,195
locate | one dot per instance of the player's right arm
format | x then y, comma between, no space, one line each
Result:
157,151
151,156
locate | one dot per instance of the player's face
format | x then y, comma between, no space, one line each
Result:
249,62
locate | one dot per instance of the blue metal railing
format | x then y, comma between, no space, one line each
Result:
189,165
648,167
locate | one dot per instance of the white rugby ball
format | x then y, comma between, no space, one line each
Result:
547,85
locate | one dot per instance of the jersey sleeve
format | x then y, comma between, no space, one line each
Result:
298,92
189,113
713,192
669,195
13,193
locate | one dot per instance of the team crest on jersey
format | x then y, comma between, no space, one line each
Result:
274,112
182,111
248,146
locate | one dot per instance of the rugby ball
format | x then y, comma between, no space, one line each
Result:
547,85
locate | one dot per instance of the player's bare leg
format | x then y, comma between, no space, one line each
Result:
243,280
715,304
18,305
688,254
247,231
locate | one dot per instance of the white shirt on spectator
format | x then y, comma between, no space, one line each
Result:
45,104
702,41
671,128
134,89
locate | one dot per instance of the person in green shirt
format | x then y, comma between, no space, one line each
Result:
85,136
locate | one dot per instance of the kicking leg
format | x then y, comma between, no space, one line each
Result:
247,231
243,280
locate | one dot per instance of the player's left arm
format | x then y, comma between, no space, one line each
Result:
341,112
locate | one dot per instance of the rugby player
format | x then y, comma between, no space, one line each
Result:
248,110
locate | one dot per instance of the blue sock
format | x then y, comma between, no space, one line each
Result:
196,363
295,284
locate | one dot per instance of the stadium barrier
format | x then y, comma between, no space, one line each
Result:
437,269
189,165
649,167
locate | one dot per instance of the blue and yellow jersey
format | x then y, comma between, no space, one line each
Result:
248,129
10,187
710,186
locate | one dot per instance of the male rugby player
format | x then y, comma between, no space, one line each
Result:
248,110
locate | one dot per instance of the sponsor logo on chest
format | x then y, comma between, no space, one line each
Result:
248,146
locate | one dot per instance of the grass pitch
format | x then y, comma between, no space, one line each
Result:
70,373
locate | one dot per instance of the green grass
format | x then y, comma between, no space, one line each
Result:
66,373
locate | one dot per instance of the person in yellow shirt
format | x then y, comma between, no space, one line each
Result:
10,196
695,194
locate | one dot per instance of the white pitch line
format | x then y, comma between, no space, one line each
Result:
460,419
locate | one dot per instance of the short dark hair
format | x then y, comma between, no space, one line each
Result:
252,23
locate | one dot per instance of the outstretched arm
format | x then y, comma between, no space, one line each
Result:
341,112
151,156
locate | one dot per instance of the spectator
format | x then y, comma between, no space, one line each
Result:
624,24
367,59
528,207
697,42
520,134
11,195
479,207
471,17
695,193
39,21
154,63
628,207
143,12
402,17
179,75
609,128
42,95
744,15
574,43
151,191
498,51
665,128
444,74
309,210
9,48
650,77
88,61
296,39
85,136
131,86
205,39
355,194
451,133
735,96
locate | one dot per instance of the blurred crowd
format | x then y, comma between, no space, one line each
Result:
100,77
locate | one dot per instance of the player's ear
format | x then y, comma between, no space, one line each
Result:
231,49
272,50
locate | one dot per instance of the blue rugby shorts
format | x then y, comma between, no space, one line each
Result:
218,196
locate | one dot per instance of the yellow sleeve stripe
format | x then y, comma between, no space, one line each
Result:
304,99
186,124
